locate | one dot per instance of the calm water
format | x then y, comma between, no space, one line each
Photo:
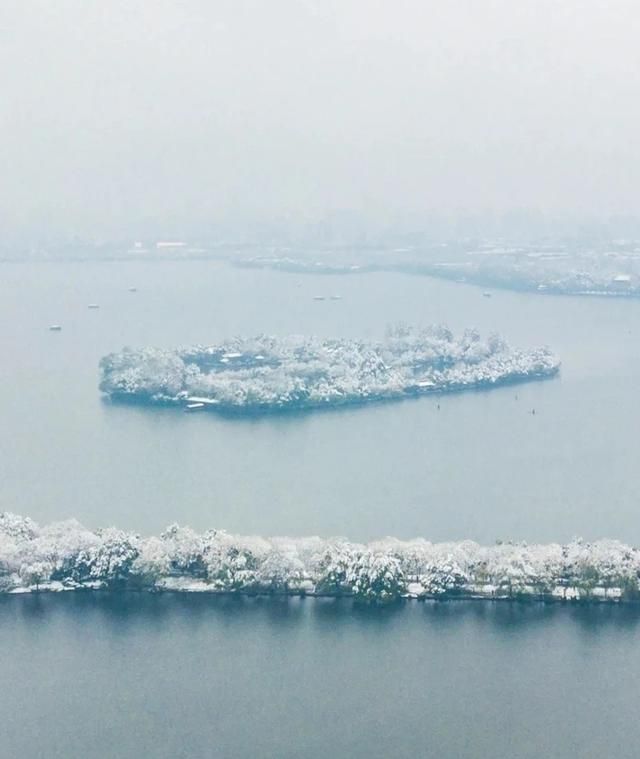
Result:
94,676
159,677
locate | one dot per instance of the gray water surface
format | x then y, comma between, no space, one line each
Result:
98,677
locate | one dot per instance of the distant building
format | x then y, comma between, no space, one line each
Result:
621,282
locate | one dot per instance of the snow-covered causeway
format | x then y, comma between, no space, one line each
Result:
265,373
66,556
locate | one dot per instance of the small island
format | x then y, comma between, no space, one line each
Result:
66,556
295,373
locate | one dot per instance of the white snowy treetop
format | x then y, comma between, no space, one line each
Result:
66,555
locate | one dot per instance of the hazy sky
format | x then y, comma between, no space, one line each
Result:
116,116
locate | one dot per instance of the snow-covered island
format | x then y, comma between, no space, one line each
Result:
268,373
66,556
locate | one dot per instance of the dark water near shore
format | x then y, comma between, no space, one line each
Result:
104,676
89,677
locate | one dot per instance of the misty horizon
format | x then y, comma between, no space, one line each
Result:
291,120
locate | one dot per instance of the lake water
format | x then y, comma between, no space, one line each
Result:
131,676
195,678
481,467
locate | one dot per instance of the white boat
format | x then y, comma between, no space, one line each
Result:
486,294
93,305
133,289
55,328
336,297
196,400
194,406
319,297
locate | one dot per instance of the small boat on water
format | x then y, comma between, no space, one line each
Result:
196,402
319,297
133,289
93,305
194,406
486,294
336,297
55,328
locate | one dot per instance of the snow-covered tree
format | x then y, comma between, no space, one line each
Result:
444,577
35,573
233,563
152,563
109,560
185,549
333,566
376,578
280,572
17,527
